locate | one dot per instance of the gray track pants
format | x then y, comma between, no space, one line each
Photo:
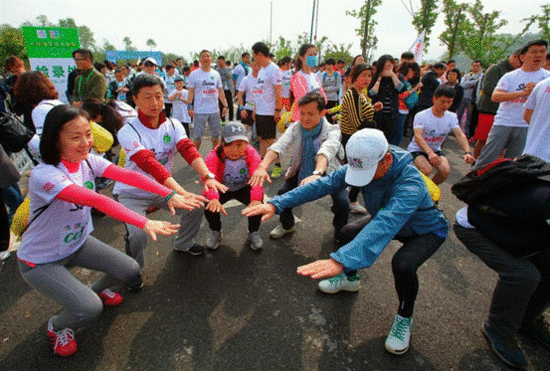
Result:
81,303
502,137
136,239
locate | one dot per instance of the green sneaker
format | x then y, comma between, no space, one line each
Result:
399,338
277,171
339,283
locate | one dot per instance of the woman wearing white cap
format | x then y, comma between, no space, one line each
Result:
401,207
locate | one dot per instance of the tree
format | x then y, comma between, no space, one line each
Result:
543,21
366,31
455,18
107,45
481,40
151,44
340,51
128,43
169,57
12,43
283,48
86,38
425,18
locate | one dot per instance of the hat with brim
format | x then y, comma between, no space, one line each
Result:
233,131
151,61
364,150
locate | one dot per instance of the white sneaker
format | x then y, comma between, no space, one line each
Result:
213,239
256,242
340,282
400,335
279,231
356,208
4,255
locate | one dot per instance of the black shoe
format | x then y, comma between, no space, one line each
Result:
135,285
195,250
505,347
537,330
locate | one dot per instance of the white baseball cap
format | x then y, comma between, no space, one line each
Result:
364,150
151,60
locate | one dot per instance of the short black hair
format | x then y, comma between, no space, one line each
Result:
98,66
341,61
286,60
444,91
169,66
204,51
144,81
53,124
85,53
313,97
477,61
539,42
221,57
439,66
451,61
186,68
407,66
260,47
407,55
245,54
330,61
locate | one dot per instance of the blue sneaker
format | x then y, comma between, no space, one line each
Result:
505,347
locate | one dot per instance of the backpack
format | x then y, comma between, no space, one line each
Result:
412,99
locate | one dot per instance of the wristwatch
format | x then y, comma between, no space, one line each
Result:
317,172
210,175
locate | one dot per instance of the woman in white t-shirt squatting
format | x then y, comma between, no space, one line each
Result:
61,192
431,128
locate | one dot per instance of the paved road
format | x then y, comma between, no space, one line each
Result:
237,309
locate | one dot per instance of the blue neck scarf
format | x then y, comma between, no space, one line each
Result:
307,164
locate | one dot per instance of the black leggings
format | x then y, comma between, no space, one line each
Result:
354,191
406,261
242,195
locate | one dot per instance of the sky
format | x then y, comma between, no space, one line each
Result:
183,27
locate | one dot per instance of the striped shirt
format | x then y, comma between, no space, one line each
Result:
350,120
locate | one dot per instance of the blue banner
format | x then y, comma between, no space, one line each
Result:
116,55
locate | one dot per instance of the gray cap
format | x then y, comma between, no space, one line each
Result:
233,131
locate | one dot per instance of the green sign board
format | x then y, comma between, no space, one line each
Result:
50,42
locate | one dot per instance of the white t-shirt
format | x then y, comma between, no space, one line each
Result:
38,115
162,141
206,85
538,134
285,83
313,82
169,86
63,227
436,129
241,73
511,113
179,107
264,92
247,85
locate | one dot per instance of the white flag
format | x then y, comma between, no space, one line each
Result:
417,47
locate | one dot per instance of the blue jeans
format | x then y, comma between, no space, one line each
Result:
399,129
12,198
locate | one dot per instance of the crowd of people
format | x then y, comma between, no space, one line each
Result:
340,129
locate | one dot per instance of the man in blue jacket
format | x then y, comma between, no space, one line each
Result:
401,208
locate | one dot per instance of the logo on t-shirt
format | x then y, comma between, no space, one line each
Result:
48,186
167,138
88,184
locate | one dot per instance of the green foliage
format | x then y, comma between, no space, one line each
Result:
425,18
340,51
455,20
128,43
151,43
169,57
366,30
12,43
